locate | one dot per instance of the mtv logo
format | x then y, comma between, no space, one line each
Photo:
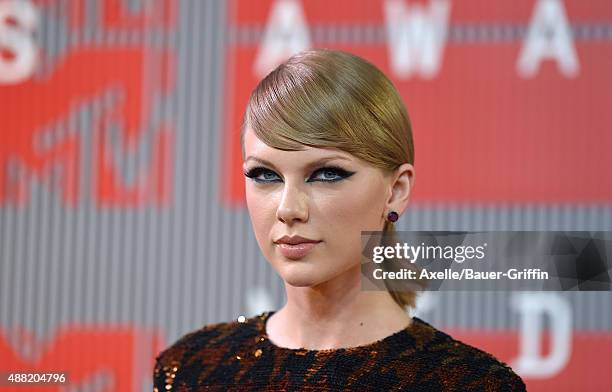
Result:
99,357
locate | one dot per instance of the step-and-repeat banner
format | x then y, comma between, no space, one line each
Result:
122,216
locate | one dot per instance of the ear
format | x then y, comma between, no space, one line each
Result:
400,189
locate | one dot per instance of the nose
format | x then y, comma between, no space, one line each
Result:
293,205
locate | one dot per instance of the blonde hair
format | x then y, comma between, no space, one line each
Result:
329,98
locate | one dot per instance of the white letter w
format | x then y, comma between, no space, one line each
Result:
416,36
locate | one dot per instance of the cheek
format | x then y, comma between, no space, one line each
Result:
261,211
346,215
354,211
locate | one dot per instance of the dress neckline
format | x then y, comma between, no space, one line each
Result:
402,334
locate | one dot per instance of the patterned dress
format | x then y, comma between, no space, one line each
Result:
238,356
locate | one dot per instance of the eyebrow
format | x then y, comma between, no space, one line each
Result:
311,164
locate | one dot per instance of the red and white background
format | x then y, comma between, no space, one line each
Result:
122,216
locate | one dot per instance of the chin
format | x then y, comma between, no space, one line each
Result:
301,275
299,282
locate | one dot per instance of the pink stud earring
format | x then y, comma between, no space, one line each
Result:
392,217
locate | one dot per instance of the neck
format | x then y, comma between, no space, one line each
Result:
335,314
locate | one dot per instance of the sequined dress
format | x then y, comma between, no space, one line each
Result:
238,356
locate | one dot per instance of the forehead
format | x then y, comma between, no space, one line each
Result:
254,147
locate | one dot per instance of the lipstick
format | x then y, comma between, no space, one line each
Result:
296,251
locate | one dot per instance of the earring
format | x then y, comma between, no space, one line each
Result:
392,217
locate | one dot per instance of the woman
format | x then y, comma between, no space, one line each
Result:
328,153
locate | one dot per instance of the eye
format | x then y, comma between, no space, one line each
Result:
261,174
324,174
331,174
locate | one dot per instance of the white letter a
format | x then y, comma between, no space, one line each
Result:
548,37
286,34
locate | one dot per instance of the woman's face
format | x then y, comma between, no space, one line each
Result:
322,194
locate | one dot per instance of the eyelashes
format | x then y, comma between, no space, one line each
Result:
329,174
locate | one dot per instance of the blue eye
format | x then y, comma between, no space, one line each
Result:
324,174
256,172
332,174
